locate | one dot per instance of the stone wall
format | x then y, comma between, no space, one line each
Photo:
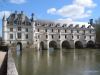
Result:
11,68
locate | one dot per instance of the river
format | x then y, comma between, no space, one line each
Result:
58,62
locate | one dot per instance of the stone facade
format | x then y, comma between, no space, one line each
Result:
18,28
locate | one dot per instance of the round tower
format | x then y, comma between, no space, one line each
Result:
4,29
33,29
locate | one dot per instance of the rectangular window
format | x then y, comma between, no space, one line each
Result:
52,37
19,35
58,30
65,36
45,30
77,36
72,37
71,31
90,37
19,28
52,30
46,36
65,31
38,36
84,37
77,31
11,36
38,30
90,31
26,36
11,29
59,36
26,29
84,31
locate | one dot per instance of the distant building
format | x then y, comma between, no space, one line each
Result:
42,34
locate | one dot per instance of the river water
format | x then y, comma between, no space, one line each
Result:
58,62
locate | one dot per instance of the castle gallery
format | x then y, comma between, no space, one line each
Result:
19,29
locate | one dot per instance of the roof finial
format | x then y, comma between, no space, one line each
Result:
4,17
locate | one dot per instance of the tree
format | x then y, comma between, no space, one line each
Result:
0,41
97,27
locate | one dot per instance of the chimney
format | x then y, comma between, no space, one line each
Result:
91,22
21,12
32,17
15,12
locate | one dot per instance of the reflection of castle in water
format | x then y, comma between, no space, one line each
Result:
42,34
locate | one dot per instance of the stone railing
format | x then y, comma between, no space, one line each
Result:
11,68
3,63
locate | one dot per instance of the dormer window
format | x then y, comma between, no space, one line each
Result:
77,26
57,25
90,31
71,31
89,26
58,30
83,26
71,26
64,25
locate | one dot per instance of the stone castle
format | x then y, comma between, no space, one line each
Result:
19,29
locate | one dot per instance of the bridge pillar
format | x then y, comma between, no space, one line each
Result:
47,45
60,45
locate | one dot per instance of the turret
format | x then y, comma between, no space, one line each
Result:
4,28
32,21
33,28
15,14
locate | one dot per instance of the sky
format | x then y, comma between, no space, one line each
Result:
67,10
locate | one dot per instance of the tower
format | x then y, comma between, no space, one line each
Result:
33,29
4,29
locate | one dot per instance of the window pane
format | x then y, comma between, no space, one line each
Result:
19,35
11,36
11,29
19,28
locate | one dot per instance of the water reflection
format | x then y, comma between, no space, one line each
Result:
58,62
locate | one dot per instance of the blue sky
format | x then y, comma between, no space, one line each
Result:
75,10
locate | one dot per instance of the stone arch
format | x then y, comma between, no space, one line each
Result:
78,44
19,46
66,45
42,45
90,44
53,44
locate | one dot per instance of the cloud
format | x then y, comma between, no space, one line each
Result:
51,11
85,3
17,1
78,9
7,13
